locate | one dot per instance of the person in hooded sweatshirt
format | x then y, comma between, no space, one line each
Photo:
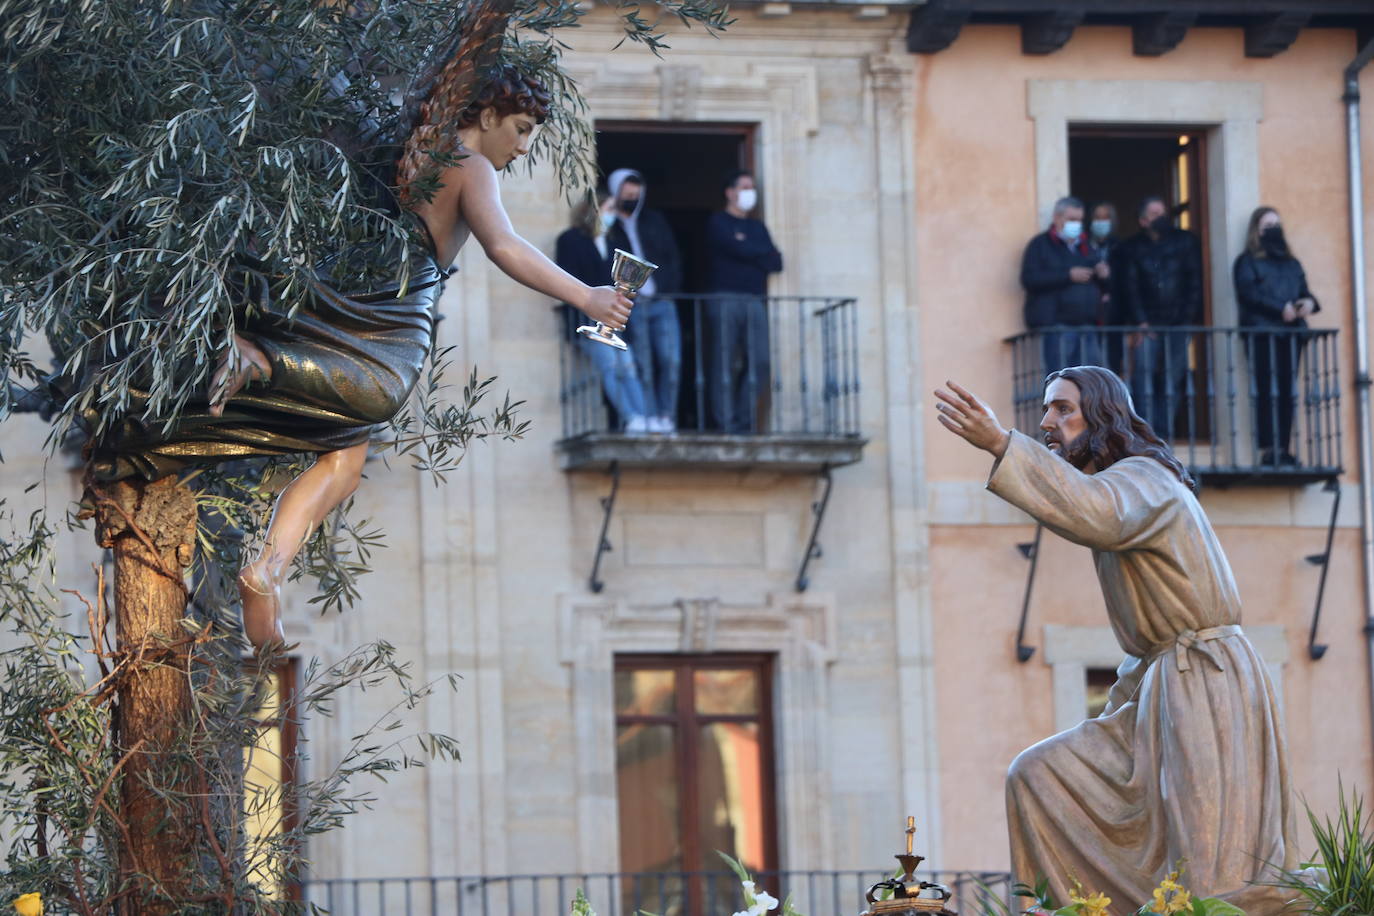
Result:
655,337
1272,293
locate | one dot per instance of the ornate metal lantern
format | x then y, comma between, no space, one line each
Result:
907,896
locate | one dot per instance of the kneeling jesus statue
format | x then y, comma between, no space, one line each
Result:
1187,764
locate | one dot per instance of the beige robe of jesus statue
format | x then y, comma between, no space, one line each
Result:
1187,763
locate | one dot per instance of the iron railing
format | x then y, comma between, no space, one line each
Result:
815,893
1234,403
811,389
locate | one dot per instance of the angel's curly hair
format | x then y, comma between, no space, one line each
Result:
1114,430
448,110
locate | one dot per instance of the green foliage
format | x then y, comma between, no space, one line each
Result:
1339,881
60,772
159,160
581,906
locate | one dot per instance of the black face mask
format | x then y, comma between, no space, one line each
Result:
1273,242
628,206
1161,224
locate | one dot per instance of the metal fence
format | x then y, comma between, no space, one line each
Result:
815,893
810,388
1231,401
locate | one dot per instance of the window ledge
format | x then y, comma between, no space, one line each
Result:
703,451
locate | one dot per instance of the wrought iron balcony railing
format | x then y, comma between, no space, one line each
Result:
815,893
1238,405
802,413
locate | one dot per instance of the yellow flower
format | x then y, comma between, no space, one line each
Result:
1088,904
29,905
1171,897
1094,905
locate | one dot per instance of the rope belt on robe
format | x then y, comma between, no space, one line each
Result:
1195,641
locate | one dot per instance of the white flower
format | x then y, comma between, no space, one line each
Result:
748,888
763,902
745,913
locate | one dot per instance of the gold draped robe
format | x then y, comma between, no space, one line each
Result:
342,366
1188,762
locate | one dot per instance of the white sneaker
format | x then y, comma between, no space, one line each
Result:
638,426
666,425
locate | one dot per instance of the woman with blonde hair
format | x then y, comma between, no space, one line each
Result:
582,250
1274,303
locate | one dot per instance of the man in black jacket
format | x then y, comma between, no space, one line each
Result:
742,255
1161,289
655,337
1059,272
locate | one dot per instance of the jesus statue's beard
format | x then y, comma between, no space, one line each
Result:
1077,452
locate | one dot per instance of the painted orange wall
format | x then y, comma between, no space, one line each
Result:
976,208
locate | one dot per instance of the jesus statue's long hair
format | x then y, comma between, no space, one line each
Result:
1114,430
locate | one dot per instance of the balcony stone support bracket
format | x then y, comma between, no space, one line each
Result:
800,629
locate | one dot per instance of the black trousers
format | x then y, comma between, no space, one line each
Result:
1274,359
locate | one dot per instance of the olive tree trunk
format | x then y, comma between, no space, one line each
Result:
150,527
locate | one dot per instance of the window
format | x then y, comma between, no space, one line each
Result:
694,774
269,774
1099,682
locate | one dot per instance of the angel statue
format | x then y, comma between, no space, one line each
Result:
322,374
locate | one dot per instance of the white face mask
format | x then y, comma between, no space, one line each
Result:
607,221
1072,229
747,200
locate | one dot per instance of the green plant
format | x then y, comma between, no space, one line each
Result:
1339,881
1171,898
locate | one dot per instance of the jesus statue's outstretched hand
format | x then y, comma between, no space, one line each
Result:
968,417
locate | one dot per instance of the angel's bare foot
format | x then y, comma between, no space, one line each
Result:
260,592
250,365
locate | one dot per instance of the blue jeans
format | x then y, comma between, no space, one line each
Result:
1159,371
619,378
737,362
1067,346
655,338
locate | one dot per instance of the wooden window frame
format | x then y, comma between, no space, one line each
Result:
288,682
688,723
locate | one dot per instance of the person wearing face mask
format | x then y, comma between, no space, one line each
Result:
1104,243
1059,273
1272,294
1160,289
583,251
655,336
742,255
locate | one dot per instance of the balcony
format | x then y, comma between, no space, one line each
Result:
806,411
1223,419
816,893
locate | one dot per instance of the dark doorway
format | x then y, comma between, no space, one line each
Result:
683,167
1122,167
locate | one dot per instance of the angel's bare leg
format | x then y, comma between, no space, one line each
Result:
300,509
251,365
